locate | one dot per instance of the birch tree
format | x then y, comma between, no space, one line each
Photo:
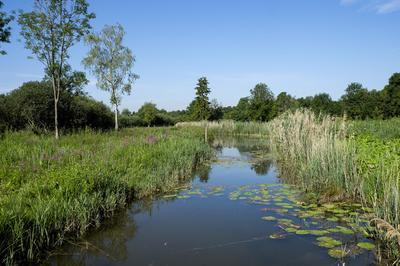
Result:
111,63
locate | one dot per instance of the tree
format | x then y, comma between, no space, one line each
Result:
261,103
111,63
148,113
199,108
354,101
322,103
31,105
391,96
49,32
216,112
284,102
5,29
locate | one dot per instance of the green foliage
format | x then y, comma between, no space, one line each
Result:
50,190
381,129
111,63
261,103
241,111
148,113
199,108
5,29
359,103
360,163
391,96
216,111
31,106
49,31
283,103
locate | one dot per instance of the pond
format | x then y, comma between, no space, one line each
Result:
235,211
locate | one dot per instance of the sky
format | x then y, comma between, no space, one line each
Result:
301,47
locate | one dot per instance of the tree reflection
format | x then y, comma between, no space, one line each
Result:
204,173
261,167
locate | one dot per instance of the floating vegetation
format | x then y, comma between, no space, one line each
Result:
366,245
291,229
338,253
331,224
269,218
278,235
328,242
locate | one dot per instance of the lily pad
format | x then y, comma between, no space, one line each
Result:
269,218
366,245
291,230
338,253
328,242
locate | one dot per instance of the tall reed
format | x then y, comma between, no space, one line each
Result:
318,154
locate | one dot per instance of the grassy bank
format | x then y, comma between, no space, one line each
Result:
51,190
341,160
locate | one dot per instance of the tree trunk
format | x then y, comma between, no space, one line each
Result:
56,118
56,97
116,118
206,132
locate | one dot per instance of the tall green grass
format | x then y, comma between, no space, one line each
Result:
50,190
324,156
229,127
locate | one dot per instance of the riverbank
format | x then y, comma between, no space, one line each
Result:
51,190
337,160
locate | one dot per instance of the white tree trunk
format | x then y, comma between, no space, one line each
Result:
116,117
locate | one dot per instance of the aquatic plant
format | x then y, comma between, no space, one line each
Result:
337,161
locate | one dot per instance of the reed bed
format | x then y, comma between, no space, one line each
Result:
52,190
338,161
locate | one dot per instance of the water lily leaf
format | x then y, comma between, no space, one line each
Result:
303,232
328,242
291,229
366,245
269,218
338,253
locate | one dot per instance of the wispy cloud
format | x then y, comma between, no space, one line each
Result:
377,6
388,7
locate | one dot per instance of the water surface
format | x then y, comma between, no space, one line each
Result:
216,219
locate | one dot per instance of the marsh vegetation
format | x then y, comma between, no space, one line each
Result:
53,190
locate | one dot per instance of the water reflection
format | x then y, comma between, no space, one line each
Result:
109,241
262,167
255,151
213,220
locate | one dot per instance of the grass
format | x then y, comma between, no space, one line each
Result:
339,160
50,190
230,127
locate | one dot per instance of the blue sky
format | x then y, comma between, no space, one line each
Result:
302,47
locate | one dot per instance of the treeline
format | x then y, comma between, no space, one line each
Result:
262,105
31,106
